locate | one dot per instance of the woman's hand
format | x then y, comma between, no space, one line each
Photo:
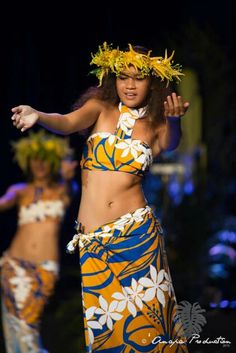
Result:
24,117
174,106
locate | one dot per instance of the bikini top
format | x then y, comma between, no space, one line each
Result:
40,210
118,152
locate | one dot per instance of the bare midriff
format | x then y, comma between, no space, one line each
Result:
108,195
36,241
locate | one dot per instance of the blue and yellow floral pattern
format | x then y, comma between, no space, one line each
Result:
25,288
128,298
118,151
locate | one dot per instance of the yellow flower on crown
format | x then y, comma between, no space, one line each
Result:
34,146
49,145
41,145
115,61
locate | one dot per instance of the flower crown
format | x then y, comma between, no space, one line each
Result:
41,145
115,61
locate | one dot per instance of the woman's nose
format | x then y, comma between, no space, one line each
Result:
130,83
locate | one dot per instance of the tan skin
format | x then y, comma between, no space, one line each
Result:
37,241
108,195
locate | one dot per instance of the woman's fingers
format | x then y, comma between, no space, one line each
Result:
174,106
16,109
20,124
170,105
186,106
24,117
177,104
16,119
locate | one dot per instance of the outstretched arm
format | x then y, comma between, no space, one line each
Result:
169,134
25,117
9,199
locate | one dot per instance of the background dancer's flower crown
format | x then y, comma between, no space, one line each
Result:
41,145
115,61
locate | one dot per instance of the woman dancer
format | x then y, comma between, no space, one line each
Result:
29,267
128,298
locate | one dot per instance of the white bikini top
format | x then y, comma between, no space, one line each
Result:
40,210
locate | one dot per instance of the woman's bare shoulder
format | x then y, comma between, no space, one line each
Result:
99,104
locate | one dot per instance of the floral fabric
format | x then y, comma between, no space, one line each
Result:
128,298
40,210
25,289
118,151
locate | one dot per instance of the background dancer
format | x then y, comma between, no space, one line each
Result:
30,266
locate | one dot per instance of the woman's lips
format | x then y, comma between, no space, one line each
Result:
130,95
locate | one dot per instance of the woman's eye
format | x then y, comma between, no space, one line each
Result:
137,78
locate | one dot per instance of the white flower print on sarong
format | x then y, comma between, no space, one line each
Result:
155,285
169,284
129,218
81,239
107,312
124,300
23,333
135,293
21,285
92,324
132,298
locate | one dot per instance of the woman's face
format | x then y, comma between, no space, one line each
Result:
132,88
40,169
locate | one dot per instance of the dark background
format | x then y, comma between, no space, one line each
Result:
44,62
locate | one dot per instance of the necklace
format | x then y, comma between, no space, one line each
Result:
38,191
